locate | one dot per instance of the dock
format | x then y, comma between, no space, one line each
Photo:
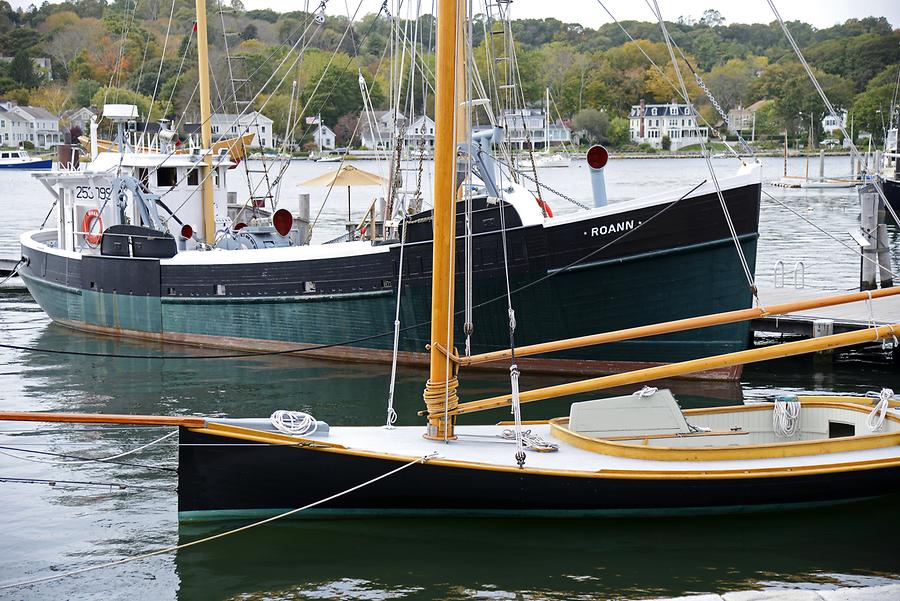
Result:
818,322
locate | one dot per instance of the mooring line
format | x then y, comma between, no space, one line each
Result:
207,539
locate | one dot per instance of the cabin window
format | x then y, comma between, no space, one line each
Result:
840,429
166,177
193,177
5,155
144,176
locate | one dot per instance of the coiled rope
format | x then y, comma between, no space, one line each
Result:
786,418
875,419
295,423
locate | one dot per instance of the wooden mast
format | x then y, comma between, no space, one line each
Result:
209,223
440,390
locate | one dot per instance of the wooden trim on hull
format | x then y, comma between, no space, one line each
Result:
250,435
536,365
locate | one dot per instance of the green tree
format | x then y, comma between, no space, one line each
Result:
666,143
21,69
594,123
618,134
84,91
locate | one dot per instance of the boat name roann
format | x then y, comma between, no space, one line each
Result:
612,228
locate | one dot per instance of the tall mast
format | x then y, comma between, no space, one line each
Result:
547,120
440,390
209,223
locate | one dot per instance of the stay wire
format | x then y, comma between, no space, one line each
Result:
174,548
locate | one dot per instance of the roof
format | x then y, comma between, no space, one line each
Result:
242,119
757,105
38,112
662,110
12,116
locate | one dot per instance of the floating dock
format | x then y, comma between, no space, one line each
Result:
827,320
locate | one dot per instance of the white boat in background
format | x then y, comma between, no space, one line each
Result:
556,159
20,159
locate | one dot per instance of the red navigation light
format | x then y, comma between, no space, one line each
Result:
597,157
283,221
187,232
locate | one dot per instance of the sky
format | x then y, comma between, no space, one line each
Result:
820,13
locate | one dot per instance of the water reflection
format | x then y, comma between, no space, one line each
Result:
538,559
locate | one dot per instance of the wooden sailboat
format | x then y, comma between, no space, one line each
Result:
236,147
626,455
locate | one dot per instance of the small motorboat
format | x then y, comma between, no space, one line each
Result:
20,159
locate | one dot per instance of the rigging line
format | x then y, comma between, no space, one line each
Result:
83,483
840,122
174,151
660,70
78,460
117,456
187,48
827,233
166,550
239,139
740,251
162,60
299,350
13,272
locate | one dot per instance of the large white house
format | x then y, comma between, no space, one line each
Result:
13,127
648,124
226,125
42,126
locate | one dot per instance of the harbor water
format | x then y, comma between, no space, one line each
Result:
63,513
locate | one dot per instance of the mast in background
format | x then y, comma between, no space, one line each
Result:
440,390
209,222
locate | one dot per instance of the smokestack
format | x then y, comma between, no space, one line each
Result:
597,157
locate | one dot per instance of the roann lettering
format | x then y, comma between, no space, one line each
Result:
612,228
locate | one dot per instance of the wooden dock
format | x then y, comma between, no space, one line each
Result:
843,318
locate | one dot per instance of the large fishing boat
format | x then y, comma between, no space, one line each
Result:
143,245
112,266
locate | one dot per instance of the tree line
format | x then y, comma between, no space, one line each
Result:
119,49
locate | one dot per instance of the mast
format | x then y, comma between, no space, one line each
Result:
440,390
547,121
209,223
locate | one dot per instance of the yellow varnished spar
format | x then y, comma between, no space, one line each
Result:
788,349
680,325
209,223
440,390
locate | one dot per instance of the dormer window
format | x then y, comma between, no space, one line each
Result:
653,111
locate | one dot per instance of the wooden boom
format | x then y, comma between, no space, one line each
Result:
103,418
678,326
788,349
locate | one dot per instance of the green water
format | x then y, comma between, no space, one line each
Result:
52,529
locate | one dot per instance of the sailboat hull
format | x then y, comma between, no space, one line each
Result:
222,477
571,276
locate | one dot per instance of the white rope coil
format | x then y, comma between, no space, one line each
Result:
530,441
295,423
645,392
786,418
875,419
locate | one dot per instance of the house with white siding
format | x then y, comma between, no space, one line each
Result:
225,125
13,128
649,123
43,126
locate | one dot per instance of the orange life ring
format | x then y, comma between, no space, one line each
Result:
544,206
90,216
